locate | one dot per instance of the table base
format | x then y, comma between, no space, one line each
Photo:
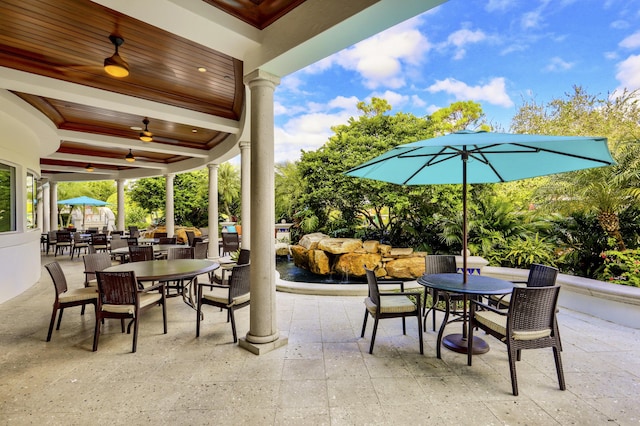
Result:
457,343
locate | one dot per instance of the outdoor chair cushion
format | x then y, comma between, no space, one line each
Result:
391,304
146,299
498,323
221,295
73,295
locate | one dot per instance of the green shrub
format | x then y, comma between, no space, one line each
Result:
621,267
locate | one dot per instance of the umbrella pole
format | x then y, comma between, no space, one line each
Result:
464,217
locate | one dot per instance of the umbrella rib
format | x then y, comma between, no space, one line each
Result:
431,161
566,154
371,163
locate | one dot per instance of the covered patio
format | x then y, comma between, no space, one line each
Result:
323,376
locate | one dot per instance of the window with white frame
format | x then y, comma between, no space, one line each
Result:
7,198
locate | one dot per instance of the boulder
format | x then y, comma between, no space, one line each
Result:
353,264
384,249
310,241
319,262
371,246
339,245
300,256
181,234
406,267
401,252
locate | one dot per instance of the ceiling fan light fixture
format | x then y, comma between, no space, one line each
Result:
129,157
89,167
146,135
115,65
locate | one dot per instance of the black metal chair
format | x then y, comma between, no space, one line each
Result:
530,323
390,305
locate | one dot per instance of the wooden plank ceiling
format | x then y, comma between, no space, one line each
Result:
69,39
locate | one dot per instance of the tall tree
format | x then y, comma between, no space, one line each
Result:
229,188
607,192
341,203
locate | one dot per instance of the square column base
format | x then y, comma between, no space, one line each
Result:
263,348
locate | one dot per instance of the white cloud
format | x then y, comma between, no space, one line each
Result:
531,20
629,73
311,130
631,42
611,55
395,99
620,24
417,101
494,92
462,38
557,64
382,59
500,5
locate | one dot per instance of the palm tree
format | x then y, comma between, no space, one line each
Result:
228,186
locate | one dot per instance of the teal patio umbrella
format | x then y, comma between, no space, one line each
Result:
483,157
83,201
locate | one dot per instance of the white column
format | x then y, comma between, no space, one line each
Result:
214,251
245,193
46,207
121,212
53,200
169,211
263,335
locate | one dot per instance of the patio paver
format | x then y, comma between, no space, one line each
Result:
323,376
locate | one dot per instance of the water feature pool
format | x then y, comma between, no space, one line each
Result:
290,272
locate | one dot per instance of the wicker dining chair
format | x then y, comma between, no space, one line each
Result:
390,305
438,264
167,240
230,297
63,240
539,276
100,242
178,253
93,263
118,297
65,297
230,242
79,244
530,323
140,253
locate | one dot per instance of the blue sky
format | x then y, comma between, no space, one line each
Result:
495,52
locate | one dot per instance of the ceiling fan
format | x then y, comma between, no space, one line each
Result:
116,66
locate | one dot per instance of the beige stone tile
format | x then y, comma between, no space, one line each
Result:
351,393
399,391
360,415
345,367
313,416
520,411
303,394
622,411
303,369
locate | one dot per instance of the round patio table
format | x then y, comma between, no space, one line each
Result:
157,248
167,270
476,285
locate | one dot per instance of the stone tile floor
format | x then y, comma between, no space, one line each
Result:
325,374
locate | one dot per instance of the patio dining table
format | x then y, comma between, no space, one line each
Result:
166,270
476,286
